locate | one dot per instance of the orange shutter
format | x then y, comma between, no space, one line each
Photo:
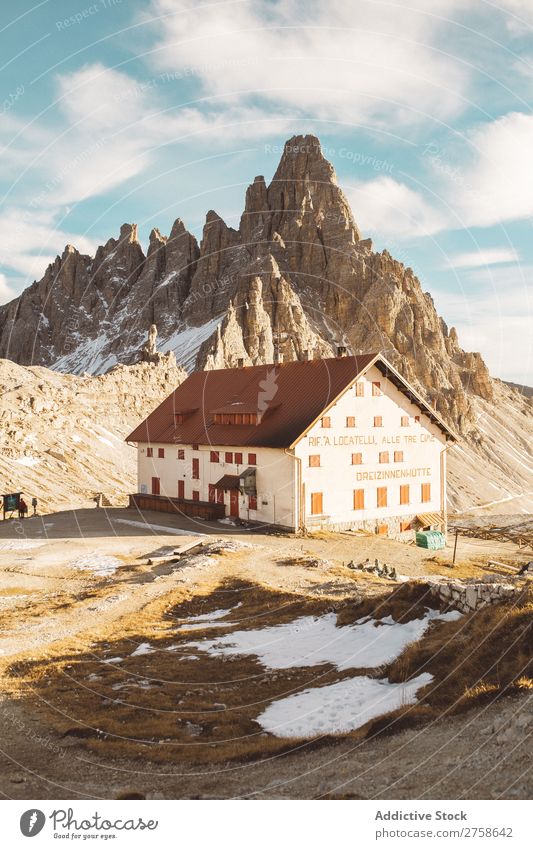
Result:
316,503
358,499
382,496
404,494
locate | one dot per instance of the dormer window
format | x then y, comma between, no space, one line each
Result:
181,415
235,418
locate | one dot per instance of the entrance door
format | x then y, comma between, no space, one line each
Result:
234,503
156,490
181,489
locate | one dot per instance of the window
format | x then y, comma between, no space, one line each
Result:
426,493
212,493
156,489
383,456
238,458
382,530
358,499
381,496
195,495
376,388
360,390
378,421
398,456
195,446
325,421
161,452
350,421
404,494
405,421
149,452
235,418
214,457
357,459
316,503
181,454
417,419
228,457
252,502
314,460
252,459
195,469
405,526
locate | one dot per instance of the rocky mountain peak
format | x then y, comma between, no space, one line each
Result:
296,270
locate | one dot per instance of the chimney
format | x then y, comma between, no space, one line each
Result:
278,356
240,362
341,350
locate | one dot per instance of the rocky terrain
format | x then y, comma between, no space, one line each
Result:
296,277
63,435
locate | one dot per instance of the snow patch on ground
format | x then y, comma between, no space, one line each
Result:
312,640
100,564
338,708
186,342
142,648
208,620
20,544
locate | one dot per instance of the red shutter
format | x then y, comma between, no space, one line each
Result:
156,486
196,468
252,459
181,489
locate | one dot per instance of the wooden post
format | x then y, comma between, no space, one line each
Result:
455,547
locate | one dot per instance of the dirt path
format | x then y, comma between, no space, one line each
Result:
458,757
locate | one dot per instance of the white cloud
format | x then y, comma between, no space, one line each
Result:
493,314
494,182
392,209
330,61
483,257
31,240
6,292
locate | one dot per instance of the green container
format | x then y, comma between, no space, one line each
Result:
433,540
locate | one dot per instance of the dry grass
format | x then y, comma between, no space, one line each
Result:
169,706
479,657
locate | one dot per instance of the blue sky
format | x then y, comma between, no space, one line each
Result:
120,110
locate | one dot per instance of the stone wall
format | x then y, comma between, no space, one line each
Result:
473,595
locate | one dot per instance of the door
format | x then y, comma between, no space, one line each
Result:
196,469
181,489
234,503
156,490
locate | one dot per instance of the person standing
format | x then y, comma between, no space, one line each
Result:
23,508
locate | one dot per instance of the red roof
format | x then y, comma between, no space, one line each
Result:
288,397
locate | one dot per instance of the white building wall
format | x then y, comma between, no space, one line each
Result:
275,480
421,442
